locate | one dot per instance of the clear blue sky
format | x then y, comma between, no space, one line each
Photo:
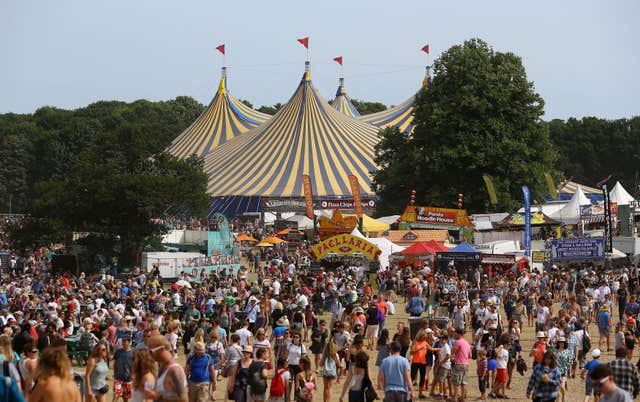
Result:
582,55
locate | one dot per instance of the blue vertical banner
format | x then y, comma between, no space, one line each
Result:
527,221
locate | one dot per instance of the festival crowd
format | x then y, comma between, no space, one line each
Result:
279,331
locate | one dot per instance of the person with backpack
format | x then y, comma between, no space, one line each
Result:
259,370
281,381
239,378
200,369
330,364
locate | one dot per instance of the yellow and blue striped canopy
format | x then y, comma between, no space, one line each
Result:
225,118
400,116
342,103
306,136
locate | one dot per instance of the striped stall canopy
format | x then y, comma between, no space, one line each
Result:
342,102
306,136
568,188
225,118
400,116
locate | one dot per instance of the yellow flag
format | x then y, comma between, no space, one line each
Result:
551,185
493,197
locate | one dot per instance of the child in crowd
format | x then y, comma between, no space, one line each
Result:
483,373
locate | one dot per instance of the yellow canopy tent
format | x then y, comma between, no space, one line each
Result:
371,225
245,237
264,244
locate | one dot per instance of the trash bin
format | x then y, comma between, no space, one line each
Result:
415,325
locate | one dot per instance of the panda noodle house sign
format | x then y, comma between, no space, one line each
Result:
345,244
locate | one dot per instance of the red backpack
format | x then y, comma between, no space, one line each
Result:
277,384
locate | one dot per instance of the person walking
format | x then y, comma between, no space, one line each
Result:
545,380
461,354
625,374
602,380
143,373
330,362
357,379
604,327
96,374
200,370
394,377
123,359
171,385
54,378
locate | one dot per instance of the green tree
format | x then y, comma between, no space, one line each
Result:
592,148
270,109
365,107
480,115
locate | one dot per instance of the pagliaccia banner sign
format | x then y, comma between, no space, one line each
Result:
345,244
436,216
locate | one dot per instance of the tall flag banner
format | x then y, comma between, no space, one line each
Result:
493,197
551,186
338,60
527,221
308,195
355,190
304,41
608,235
425,49
220,48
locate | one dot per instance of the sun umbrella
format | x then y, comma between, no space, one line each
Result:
288,230
264,244
273,239
245,237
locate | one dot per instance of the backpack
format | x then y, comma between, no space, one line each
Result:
257,383
277,384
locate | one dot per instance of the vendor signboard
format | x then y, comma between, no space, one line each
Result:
436,216
577,249
458,257
346,204
345,244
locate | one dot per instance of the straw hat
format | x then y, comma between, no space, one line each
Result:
282,322
247,349
541,334
199,347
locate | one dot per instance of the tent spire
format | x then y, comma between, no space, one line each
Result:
307,70
222,87
427,76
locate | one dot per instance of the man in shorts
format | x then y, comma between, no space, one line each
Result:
443,368
461,354
123,359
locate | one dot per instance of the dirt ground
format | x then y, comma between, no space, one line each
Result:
519,383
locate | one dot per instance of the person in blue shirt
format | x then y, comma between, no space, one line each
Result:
586,371
9,390
604,326
394,376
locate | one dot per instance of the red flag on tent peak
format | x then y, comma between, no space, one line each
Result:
338,60
425,49
220,48
304,41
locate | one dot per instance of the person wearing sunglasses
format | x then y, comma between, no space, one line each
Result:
602,380
96,374
171,385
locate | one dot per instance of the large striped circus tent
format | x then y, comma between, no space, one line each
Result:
342,102
225,118
400,116
306,136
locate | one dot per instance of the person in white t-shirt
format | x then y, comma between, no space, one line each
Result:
502,358
443,367
244,334
276,287
542,314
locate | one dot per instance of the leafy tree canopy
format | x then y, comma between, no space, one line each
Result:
480,115
270,109
101,169
364,107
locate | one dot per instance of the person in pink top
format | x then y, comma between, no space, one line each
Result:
460,355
